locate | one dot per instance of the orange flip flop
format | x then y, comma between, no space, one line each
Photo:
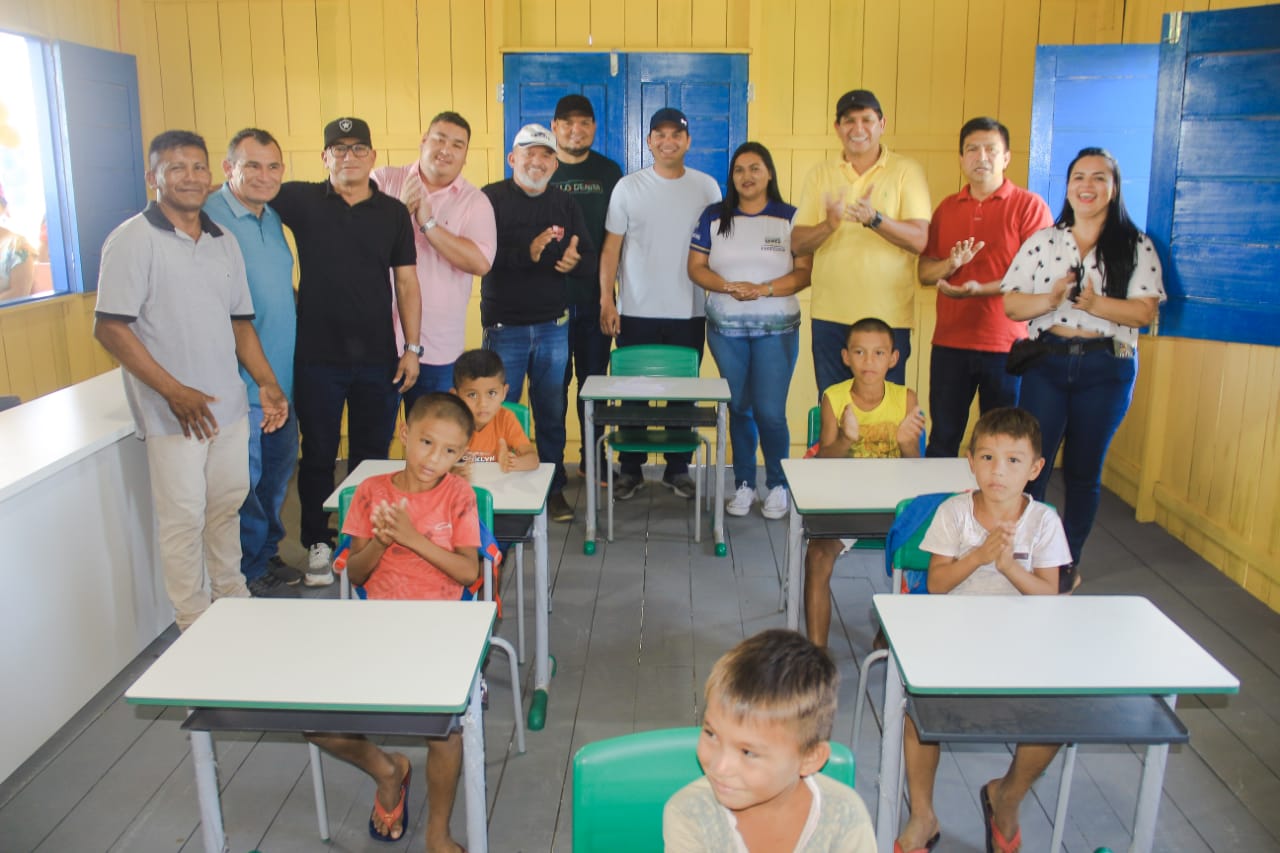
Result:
390,817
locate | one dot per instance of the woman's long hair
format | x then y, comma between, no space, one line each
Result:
729,206
1118,243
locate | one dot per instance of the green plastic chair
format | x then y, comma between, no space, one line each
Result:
521,411
621,784
656,360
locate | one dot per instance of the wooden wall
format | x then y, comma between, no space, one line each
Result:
1198,453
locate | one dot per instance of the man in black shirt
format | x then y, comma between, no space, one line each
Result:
589,177
353,243
523,300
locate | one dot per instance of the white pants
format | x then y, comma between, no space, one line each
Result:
197,488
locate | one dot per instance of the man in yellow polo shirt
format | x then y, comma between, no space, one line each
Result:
865,219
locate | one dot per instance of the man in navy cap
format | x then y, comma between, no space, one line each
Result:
646,250
354,244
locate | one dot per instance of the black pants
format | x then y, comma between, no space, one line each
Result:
690,333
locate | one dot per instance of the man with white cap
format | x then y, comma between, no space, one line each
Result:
523,298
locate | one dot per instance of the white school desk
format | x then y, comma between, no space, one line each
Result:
1049,645
355,686
648,389
514,493
856,498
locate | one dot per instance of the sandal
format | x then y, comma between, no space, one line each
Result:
995,838
390,817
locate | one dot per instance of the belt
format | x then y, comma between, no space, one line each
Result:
1077,346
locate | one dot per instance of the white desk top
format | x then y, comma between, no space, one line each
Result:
53,432
514,493
870,485
706,389
1070,644
397,656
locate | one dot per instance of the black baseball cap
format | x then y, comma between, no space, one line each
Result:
347,128
571,105
858,99
668,115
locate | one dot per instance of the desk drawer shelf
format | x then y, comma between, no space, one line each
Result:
1046,719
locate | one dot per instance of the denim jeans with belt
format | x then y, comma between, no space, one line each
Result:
758,370
1080,398
541,352
954,376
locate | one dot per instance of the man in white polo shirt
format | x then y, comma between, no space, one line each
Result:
174,309
646,250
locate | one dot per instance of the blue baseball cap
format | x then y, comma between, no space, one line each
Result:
668,115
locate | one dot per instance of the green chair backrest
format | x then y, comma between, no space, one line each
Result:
344,504
653,360
621,784
909,557
815,426
521,411
484,505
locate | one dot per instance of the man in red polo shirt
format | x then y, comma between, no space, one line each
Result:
973,237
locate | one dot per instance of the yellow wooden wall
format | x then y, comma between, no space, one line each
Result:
1198,453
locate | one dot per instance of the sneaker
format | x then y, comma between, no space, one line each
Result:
558,508
775,505
626,485
270,586
681,484
742,501
283,572
484,694
319,565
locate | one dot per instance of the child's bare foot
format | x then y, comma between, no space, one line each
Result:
388,819
920,833
445,845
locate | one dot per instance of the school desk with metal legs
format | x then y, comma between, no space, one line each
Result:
516,493
1063,649
660,389
356,686
853,499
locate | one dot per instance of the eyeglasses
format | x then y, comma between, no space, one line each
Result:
359,150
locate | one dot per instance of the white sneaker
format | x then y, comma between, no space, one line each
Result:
775,505
742,501
319,565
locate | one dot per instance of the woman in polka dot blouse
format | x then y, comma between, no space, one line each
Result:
1086,285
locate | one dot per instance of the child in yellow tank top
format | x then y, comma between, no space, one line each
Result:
865,417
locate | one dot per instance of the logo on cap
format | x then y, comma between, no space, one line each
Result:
344,124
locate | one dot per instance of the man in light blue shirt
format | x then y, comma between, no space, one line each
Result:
254,168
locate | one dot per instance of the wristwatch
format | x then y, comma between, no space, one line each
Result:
875,221
416,349
428,225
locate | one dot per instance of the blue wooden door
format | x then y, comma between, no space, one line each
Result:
1215,201
536,81
1094,95
101,152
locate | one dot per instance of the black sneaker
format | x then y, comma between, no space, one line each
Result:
681,484
626,485
269,586
284,572
558,508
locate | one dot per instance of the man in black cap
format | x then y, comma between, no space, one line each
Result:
354,242
646,249
589,177
865,219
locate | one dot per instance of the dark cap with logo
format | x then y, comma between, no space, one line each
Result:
668,115
347,128
574,105
858,99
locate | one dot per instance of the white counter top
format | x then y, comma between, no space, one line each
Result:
53,432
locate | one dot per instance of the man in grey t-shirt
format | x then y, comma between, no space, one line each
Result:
174,309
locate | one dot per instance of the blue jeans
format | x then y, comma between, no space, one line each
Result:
431,377
320,391
830,338
672,331
540,351
758,371
588,356
1079,399
954,376
272,456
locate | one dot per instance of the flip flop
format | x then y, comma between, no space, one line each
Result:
391,816
927,848
995,838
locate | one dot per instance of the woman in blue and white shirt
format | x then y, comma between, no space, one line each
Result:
741,255
1087,285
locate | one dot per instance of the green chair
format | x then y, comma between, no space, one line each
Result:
656,360
621,784
521,411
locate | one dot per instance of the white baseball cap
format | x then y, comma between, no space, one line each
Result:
536,134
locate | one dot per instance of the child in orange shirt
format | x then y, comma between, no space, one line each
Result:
481,381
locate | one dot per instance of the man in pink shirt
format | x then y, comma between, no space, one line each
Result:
456,241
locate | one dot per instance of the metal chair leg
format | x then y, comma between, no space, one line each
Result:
317,782
504,646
